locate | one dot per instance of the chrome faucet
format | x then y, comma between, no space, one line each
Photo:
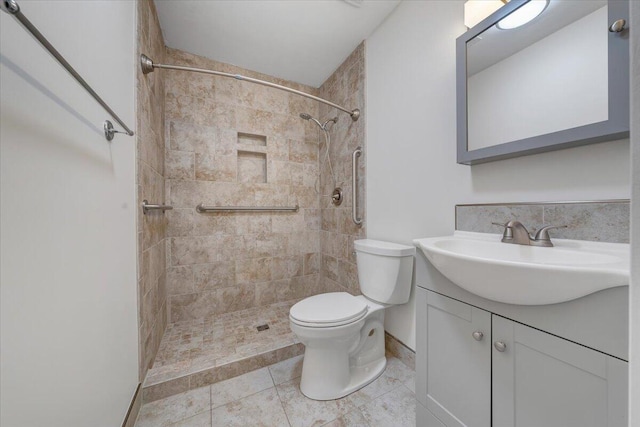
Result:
515,232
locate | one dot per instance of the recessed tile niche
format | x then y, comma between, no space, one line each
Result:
252,140
252,158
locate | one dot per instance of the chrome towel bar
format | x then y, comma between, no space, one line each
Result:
354,165
146,207
204,209
11,7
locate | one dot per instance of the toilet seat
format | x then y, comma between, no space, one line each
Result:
328,310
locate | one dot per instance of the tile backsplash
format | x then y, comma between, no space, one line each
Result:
602,221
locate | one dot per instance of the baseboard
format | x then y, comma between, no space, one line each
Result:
134,408
398,349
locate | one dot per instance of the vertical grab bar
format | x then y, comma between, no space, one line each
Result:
354,187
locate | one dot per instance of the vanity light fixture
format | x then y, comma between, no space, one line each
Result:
522,15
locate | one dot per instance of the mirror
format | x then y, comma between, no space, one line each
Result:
558,81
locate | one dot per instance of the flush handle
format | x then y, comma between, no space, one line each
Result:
477,335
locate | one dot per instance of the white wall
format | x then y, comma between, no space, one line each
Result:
413,181
521,96
634,295
68,280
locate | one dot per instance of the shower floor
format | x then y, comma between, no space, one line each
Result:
198,352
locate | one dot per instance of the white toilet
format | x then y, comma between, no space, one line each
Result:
344,335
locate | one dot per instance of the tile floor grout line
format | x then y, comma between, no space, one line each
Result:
384,394
271,375
210,403
282,406
341,416
242,398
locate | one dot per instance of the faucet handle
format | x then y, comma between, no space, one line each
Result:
543,233
508,232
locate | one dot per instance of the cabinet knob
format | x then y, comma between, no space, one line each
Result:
617,26
500,346
477,335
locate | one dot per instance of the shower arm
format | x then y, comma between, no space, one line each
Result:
148,66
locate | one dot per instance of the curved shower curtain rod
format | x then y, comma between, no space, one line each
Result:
148,66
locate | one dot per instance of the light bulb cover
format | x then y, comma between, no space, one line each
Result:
477,10
523,15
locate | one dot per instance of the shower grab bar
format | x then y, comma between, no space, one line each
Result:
11,7
148,66
203,209
146,207
354,187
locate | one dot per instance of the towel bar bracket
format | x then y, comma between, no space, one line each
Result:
146,207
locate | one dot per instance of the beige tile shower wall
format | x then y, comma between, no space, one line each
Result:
233,143
344,87
152,293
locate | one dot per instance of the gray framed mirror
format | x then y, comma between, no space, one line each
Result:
558,81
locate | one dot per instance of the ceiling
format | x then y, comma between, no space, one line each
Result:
299,40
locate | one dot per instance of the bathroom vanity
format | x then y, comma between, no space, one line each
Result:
485,363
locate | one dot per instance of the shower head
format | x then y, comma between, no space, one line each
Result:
323,126
308,117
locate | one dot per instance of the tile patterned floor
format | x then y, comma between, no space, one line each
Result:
271,397
195,345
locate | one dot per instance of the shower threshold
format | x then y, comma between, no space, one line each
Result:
195,353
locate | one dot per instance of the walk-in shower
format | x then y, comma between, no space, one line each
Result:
252,230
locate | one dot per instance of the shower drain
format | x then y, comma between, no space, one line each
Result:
261,328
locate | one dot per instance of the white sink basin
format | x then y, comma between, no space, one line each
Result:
527,275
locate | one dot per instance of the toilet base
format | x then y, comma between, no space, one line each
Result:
361,376
340,360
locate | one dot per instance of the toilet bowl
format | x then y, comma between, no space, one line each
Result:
344,334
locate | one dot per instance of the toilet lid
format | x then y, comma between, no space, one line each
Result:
331,308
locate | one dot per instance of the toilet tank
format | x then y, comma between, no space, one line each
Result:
384,270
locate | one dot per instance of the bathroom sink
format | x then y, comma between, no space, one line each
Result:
527,275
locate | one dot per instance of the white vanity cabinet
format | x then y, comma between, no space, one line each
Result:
478,369
542,380
453,360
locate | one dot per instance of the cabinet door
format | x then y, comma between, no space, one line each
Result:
452,366
542,380
426,418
